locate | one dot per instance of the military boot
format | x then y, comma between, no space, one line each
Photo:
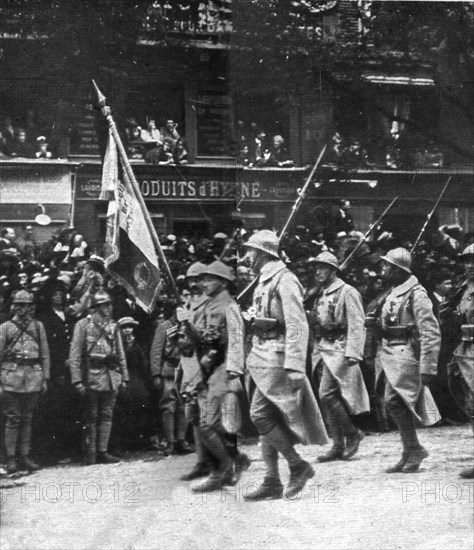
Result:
26,463
415,458
398,467
335,453
270,489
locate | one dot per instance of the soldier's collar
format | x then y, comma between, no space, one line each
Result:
271,269
334,286
406,286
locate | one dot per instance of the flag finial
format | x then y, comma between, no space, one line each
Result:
100,95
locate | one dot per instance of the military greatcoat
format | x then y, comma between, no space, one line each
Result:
408,305
279,295
340,309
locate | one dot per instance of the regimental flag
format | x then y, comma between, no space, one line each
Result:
130,254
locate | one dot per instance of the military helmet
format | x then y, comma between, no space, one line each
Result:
219,269
327,258
23,297
266,241
399,257
100,298
196,269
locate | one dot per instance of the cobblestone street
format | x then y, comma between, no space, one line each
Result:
140,504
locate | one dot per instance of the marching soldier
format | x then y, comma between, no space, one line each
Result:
283,407
209,335
340,338
463,361
408,353
24,357
98,369
191,371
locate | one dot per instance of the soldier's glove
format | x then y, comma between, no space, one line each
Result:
427,379
79,387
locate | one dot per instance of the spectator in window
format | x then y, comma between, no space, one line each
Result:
161,154
170,131
151,132
180,153
42,148
4,150
8,132
21,147
277,155
259,149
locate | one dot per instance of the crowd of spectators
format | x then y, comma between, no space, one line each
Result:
156,145
255,148
17,142
394,153
65,272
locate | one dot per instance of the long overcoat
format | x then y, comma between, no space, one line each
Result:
404,363
279,295
340,306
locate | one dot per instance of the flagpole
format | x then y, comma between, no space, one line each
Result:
113,128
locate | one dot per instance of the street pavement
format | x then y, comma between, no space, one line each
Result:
141,504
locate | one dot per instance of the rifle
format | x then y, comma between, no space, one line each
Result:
430,215
294,210
302,193
345,263
229,244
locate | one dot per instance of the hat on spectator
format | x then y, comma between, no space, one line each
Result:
219,269
220,236
127,322
467,255
41,139
171,237
101,297
341,234
97,263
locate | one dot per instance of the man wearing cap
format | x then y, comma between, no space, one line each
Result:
462,305
191,370
339,344
209,335
283,407
98,369
408,353
24,359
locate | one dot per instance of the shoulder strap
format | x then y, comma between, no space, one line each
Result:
408,298
273,288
